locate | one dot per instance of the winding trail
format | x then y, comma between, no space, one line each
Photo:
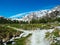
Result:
24,34
37,38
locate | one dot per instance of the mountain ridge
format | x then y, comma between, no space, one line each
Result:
36,14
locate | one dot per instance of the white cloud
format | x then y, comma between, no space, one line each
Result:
21,14
17,15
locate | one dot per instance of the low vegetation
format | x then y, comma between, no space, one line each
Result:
7,33
34,26
22,41
53,37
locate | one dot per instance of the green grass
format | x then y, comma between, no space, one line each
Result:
53,36
32,26
21,41
6,32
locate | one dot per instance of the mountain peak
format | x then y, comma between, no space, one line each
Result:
57,8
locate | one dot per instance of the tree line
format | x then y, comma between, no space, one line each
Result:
41,20
9,21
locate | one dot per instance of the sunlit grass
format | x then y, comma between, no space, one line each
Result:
33,26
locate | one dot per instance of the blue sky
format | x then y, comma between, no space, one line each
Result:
13,7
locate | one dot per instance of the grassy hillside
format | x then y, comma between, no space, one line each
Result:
34,26
7,33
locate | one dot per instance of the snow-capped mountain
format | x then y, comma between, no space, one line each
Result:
51,13
29,15
35,15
